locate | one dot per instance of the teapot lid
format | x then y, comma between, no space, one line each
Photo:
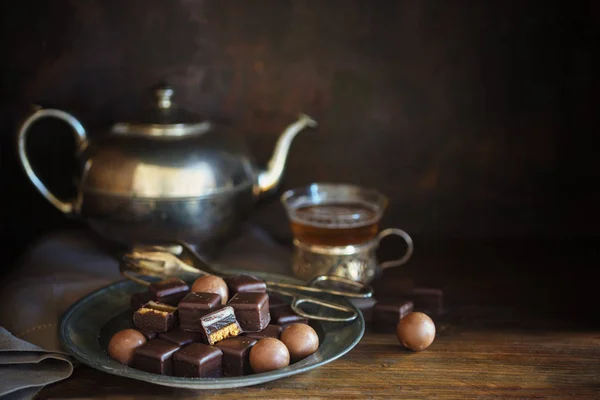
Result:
164,120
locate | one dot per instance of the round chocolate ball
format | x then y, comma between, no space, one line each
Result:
301,340
269,354
123,344
416,331
211,284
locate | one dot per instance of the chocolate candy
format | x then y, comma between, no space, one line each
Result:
219,325
212,284
272,331
198,361
416,331
301,341
427,300
155,317
365,306
139,299
123,344
285,316
193,306
149,335
245,283
251,310
275,301
236,355
387,313
269,354
155,357
180,337
170,291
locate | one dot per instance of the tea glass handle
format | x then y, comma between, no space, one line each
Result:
409,247
80,136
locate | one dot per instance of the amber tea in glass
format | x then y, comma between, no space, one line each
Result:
334,214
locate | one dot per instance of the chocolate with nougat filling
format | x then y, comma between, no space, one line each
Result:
219,325
155,317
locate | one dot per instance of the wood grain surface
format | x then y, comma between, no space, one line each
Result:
521,322
473,357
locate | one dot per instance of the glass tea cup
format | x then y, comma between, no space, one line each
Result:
336,231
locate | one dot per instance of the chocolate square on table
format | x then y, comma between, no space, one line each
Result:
236,355
285,316
387,314
365,306
193,306
245,283
251,310
139,299
170,291
198,361
271,331
155,357
180,337
427,300
155,317
219,325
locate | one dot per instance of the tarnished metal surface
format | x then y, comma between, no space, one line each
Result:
463,115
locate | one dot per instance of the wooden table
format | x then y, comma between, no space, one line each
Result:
521,323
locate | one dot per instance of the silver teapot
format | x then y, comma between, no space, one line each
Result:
169,175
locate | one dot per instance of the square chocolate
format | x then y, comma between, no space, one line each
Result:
236,355
251,310
271,331
245,283
219,325
427,300
285,316
276,301
193,306
198,361
387,314
180,337
365,306
149,335
155,317
170,291
155,357
139,299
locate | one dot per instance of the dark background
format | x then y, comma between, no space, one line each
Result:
476,118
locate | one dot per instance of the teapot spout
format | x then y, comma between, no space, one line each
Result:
268,179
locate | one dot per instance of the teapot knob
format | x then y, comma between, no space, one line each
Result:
163,95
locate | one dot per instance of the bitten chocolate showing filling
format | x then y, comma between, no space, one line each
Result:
219,325
155,317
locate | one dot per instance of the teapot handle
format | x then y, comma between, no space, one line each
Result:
80,136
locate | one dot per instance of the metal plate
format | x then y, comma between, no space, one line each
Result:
89,324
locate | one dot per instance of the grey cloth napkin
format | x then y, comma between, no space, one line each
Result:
58,271
26,368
